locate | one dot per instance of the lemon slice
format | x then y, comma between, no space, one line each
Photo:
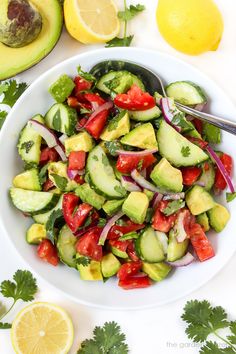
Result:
91,21
42,328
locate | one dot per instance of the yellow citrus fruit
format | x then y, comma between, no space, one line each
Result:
42,328
190,26
91,21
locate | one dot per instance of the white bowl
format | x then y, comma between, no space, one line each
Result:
36,99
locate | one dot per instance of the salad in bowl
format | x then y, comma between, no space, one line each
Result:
119,182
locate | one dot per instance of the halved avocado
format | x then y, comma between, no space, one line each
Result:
16,60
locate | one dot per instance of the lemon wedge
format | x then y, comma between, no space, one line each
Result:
91,21
42,328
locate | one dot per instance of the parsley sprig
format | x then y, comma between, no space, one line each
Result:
128,14
23,287
106,340
204,320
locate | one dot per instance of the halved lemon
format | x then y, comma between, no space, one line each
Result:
42,328
91,21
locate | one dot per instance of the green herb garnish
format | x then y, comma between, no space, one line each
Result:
3,115
61,182
185,151
230,197
50,225
173,206
11,91
27,145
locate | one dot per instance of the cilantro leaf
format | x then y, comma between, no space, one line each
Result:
174,206
213,348
84,261
122,191
3,115
27,145
50,225
23,287
105,160
180,120
5,325
61,182
13,92
119,42
43,174
230,197
140,165
130,12
106,340
113,124
3,87
85,75
102,222
185,151
232,338
113,146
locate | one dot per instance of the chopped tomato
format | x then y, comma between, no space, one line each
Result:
120,245
48,155
73,102
94,99
81,123
81,84
198,125
199,142
190,175
74,215
48,252
117,231
129,269
135,283
200,243
96,125
77,160
131,252
134,100
48,185
162,205
79,179
126,164
220,182
88,246
162,222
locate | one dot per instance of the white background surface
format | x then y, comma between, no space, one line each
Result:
160,330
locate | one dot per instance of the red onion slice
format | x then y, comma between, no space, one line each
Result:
143,182
199,107
184,261
103,107
156,200
61,151
83,230
179,229
221,168
175,196
136,153
108,226
129,184
62,138
73,173
168,115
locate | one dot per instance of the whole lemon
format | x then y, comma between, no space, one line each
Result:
190,26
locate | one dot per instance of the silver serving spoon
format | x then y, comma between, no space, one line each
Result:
156,84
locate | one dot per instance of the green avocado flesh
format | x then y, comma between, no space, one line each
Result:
16,60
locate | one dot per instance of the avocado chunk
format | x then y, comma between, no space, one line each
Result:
35,234
112,206
203,220
62,88
20,23
57,173
167,177
135,206
117,127
199,200
218,217
28,180
149,194
176,250
88,195
109,265
27,56
90,272
156,271
143,137
79,142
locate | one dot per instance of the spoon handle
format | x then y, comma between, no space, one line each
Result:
219,122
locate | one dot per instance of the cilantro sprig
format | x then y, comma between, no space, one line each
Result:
23,287
126,15
106,340
203,320
173,207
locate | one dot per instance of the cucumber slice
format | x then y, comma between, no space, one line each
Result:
43,218
208,177
144,116
173,146
120,81
61,118
186,92
28,180
35,234
176,250
102,175
66,246
31,201
149,246
29,143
